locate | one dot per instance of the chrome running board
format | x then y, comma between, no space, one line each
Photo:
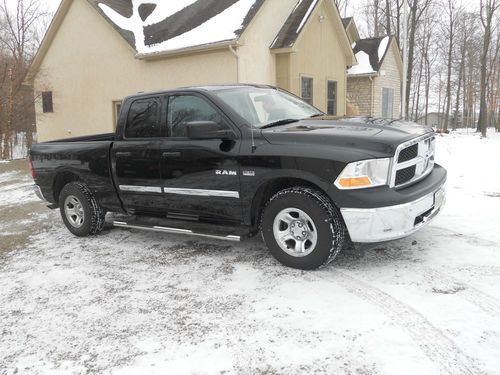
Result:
121,224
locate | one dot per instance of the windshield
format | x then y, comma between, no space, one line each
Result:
262,107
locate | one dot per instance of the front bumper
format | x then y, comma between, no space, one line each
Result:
391,223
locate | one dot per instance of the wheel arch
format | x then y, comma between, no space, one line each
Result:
270,187
61,179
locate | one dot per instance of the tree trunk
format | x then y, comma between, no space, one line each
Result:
411,51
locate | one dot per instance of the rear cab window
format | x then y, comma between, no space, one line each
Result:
143,120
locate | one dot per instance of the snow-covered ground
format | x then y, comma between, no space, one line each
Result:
19,148
127,302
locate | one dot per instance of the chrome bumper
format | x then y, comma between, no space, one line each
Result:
395,222
39,193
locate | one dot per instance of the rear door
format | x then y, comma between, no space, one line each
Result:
200,177
136,158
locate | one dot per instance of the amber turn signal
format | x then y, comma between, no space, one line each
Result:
355,182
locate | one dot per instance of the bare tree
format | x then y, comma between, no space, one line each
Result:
19,39
452,13
488,9
342,5
417,9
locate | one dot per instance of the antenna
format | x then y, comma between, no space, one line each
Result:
254,147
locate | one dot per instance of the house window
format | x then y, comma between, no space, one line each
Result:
142,121
117,107
47,104
387,103
307,90
332,98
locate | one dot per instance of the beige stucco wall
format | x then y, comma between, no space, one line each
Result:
390,77
89,65
359,93
320,56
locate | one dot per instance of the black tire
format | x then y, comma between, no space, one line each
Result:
91,216
327,228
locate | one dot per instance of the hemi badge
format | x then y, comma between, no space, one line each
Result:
249,173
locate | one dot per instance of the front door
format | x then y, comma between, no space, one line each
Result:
200,177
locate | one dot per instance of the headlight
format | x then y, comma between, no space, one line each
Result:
364,174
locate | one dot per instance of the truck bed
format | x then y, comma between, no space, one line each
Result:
108,137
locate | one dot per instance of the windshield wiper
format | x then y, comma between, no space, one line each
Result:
317,115
280,122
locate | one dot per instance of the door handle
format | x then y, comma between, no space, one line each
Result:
167,155
123,154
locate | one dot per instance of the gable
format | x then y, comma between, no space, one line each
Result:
152,27
294,26
351,29
393,56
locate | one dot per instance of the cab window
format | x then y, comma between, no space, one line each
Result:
143,119
183,109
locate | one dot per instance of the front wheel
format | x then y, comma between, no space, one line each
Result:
80,211
302,228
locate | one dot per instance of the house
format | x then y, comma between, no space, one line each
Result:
433,119
98,51
437,120
374,85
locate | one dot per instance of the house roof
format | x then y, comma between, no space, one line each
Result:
290,31
346,21
351,29
153,27
370,54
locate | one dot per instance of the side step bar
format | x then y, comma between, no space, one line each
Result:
121,224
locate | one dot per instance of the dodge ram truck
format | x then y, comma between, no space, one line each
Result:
228,162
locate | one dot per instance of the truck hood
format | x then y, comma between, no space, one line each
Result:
375,137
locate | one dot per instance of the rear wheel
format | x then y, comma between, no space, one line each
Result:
302,228
80,211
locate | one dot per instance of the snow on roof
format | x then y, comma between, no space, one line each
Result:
364,66
370,54
161,26
306,17
382,48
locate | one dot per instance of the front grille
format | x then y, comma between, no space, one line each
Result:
408,154
405,175
414,161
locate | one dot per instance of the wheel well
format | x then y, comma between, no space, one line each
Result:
267,190
61,180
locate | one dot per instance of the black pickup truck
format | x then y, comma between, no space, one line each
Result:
229,161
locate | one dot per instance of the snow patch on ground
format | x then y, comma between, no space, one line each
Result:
19,150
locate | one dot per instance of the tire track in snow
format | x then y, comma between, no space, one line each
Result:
434,343
483,301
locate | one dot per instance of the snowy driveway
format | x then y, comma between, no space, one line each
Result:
128,302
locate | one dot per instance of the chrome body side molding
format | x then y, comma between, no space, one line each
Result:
202,192
140,189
